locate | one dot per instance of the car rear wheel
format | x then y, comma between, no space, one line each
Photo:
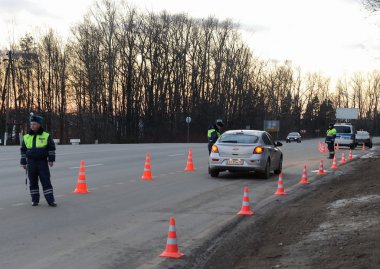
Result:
266,173
213,173
279,168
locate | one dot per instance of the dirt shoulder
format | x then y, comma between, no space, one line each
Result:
334,223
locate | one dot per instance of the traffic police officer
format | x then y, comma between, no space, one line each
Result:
330,140
214,131
37,154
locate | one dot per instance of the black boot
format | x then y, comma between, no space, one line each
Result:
34,203
53,204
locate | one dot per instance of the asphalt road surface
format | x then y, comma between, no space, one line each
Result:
123,222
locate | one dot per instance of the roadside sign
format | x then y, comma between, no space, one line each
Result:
271,125
188,120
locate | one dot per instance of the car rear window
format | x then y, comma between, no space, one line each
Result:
293,134
239,139
343,129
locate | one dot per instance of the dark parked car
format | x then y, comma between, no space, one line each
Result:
293,137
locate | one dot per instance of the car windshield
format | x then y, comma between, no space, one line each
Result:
363,133
343,129
239,139
293,134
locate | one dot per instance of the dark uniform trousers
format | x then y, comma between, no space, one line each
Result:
331,148
40,169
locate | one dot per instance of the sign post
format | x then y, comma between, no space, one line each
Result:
188,120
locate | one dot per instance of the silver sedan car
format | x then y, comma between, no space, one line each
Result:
246,150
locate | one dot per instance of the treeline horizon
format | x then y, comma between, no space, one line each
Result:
126,76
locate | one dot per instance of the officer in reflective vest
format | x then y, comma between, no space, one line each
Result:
214,131
330,140
37,154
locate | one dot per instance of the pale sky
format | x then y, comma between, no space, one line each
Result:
334,37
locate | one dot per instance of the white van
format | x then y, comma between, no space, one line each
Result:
345,135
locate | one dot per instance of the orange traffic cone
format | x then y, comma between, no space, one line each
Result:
321,171
324,149
147,175
334,166
190,164
343,160
81,187
337,146
171,250
350,155
363,148
304,179
280,186
245,208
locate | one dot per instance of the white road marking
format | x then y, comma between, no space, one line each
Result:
92,189
174,155
1,208
171,173
120,183
316,171
59,195
91,165
18,204
107,186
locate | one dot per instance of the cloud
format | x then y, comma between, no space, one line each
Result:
11,7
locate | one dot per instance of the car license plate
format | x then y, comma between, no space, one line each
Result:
235,162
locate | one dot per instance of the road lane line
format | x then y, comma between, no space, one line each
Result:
91,165
174,155
18,204
92,189
120,183
1,208
107,186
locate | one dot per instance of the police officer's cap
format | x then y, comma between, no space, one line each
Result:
331,125
219,123
35,118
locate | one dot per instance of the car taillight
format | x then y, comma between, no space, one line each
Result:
258,150
215,149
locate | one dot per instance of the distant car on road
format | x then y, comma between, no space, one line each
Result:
363,137
246,150
293,136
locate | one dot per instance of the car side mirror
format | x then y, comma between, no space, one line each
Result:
278,144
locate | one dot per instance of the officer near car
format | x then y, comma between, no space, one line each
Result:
37,155
214,132
330,140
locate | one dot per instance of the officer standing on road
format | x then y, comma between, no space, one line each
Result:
214,131
37,154
330,140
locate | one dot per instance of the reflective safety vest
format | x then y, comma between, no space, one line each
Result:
331,132
210,131
41,140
